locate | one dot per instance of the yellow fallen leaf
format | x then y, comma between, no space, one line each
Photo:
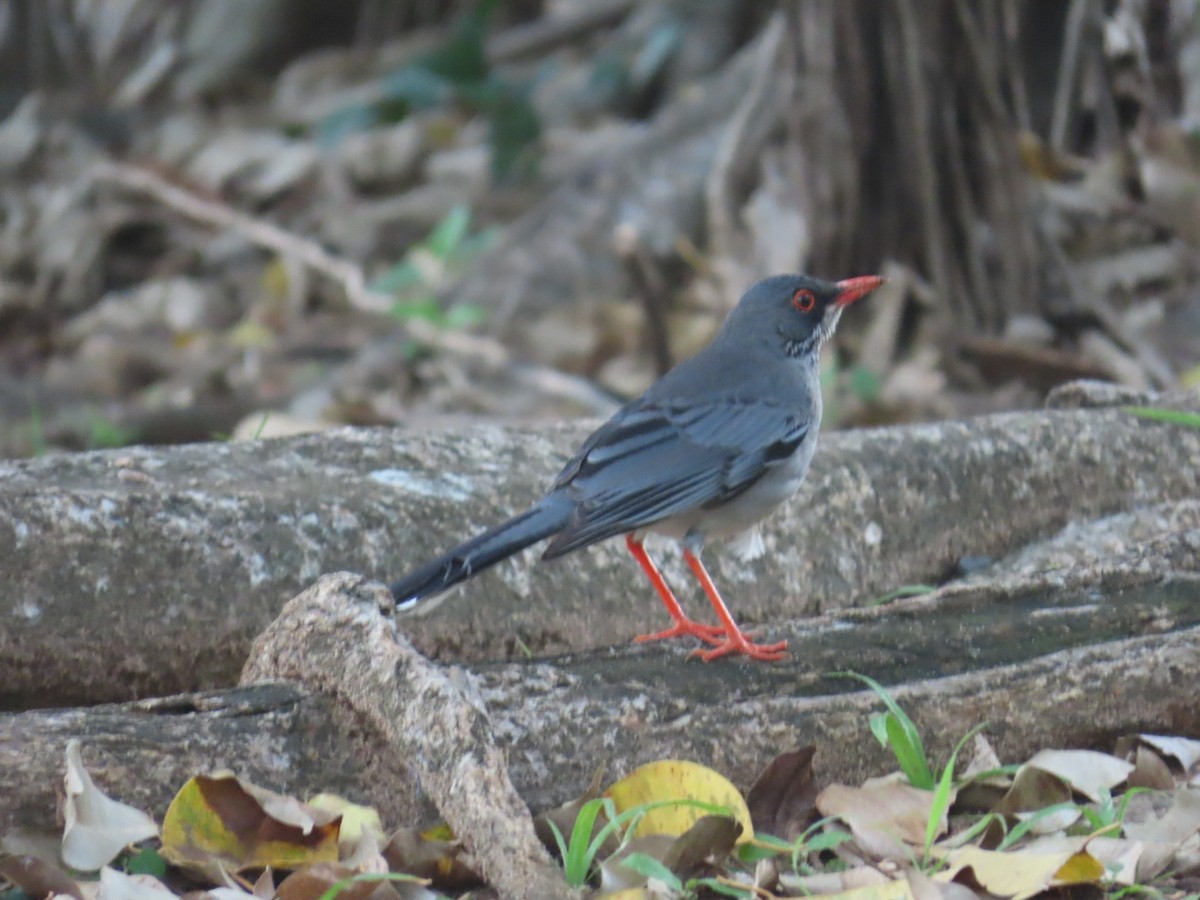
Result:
1020,874
224,823
673,780
355,818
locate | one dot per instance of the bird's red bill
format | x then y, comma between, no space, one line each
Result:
853,288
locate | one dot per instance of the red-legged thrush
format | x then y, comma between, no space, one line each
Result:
709,450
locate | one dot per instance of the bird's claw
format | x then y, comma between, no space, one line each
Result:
710,634
738,643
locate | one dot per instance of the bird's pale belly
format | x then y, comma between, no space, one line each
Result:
743,512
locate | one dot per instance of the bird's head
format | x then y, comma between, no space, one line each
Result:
801,310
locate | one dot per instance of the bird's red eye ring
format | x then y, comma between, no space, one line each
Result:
804,300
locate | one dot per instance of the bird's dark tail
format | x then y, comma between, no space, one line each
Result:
482,552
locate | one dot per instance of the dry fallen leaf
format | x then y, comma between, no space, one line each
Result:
222,823
97,828
310,882
1034,790
844,882
37,877
1172,839
887,819
1185,751
616,877
1150,770
1087,771
433,854
783,800
711,838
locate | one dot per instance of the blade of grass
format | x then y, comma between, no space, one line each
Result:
941,796
1022,828
1173,416
965,837
338,886
908,749
649,867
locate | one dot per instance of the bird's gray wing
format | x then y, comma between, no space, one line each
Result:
656,460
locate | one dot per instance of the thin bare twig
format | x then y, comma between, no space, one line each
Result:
258,232
345,273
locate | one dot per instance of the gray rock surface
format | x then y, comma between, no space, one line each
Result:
1068,658
148,571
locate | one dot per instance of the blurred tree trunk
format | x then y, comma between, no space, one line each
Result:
909,115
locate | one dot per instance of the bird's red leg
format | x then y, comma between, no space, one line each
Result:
683,625
735,640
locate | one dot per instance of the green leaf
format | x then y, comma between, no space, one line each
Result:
1022,828
514,130
462,58
476,243
465,315
826,840
146,861
609,80
402,276
559,840
1173,416
962,838
106,435
750,853
878,723
941,802
579,853
650,867
901,735
448,234
426,308
865,384
416,88
910,754
344,122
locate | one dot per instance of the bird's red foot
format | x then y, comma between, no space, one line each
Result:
738,643
685,627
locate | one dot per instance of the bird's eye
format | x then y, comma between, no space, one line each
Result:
804,300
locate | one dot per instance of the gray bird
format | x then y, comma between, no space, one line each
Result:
709,450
